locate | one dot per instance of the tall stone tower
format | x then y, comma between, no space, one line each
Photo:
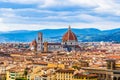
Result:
45,46
40,42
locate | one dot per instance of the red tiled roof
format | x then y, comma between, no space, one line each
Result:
65,70
69,35
40,63
114,57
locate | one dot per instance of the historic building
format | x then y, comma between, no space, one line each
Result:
33,45
69,43
110,72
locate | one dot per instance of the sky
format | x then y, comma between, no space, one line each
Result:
54,14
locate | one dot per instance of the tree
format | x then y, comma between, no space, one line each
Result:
76,67
26,72
20,78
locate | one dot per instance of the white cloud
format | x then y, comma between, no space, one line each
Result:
11,27
84,3
0,20
3,27
109,7
67,3
54,25
45,17
89,18
24,1
7,12
99,6
13,21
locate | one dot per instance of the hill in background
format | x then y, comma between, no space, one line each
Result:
55,35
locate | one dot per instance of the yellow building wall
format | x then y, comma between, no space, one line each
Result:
51,77
56,65
117,65
69,76
7,75
64,76
36,71
85,78
17,75
15,55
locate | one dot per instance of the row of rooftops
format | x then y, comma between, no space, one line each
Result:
73,72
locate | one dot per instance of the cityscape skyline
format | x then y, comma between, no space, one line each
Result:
65,60
54,14
59,40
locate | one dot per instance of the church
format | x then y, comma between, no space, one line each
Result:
69,43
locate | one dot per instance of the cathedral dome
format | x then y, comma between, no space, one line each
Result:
69,36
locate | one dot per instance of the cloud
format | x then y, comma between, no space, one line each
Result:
3,26
7,12
0,20
52,25
98,6
108,7
40,16
102,14
23,1
17,20
17,26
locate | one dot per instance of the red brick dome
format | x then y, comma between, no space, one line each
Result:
69,36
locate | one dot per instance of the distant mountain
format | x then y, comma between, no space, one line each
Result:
87,34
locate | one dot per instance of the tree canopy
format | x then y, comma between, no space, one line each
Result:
20,79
